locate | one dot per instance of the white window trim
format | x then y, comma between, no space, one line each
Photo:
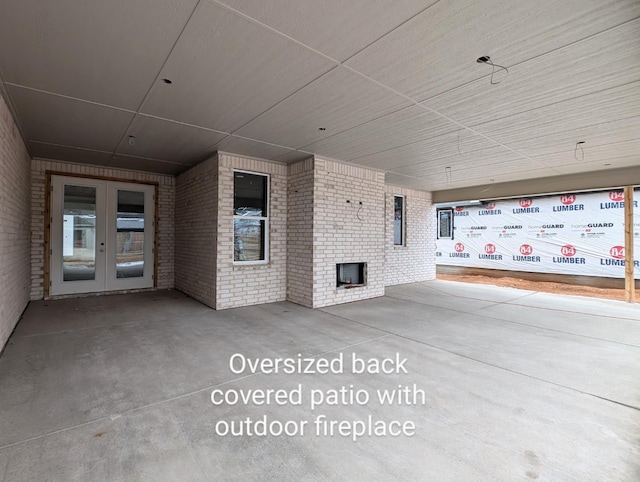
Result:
403,225
451,227
260,218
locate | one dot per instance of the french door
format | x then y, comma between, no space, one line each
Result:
102,235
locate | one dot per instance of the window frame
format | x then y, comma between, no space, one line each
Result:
451,227
265,237
403,221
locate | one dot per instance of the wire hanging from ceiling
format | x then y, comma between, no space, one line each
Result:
578,152
485,59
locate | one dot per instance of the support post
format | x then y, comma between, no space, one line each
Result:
629,279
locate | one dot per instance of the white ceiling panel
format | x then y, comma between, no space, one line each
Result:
482,182
490,159
437,50
564,74
406,181
148,165
457,147
250,148
587,153
70,154
226,70
165,140
338,101
406,126
108,52
260,78
336,28
60,120
593,109
606,133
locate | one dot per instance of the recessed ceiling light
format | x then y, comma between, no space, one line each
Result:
167,81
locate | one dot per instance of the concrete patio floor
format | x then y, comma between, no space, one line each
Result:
519,386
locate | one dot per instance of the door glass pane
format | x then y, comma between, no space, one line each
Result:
79,233
130,234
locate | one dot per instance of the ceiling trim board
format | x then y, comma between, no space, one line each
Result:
271,29
186,124
154,160
99,104
69,147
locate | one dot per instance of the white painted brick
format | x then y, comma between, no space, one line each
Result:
15,215
415,261
196,226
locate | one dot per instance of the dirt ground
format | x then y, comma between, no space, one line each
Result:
544,286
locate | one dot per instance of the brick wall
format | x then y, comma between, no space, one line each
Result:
415,261
165,215
239,285
300,233
14,224
196,226
347,232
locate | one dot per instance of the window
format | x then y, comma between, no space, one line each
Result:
445,223
398,220
250,217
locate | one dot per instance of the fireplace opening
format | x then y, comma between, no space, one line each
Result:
351,275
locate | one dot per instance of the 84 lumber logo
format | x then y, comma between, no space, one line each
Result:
526,254
459,251
490,252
